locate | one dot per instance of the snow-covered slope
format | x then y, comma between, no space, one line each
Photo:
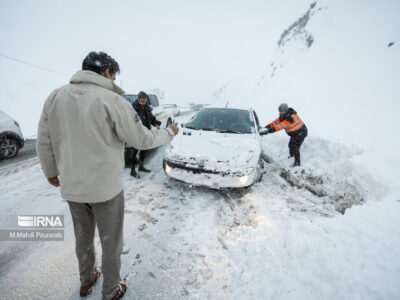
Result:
342,84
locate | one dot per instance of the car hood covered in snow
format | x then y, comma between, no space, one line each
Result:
222,152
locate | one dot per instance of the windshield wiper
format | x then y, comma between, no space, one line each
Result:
190,127
208,129
221,130
229,131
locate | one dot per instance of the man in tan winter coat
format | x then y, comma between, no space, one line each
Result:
82,131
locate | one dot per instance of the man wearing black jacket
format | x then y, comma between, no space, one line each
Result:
295,128
143,109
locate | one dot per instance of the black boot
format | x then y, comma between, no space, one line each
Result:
142,156
143,169
296,163
133,172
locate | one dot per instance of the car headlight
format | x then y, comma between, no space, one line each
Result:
244,179
168,169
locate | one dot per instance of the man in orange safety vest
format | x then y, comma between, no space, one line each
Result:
295,128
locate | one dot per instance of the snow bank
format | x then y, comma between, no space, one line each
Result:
328,179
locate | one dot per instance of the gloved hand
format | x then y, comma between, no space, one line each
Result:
264,132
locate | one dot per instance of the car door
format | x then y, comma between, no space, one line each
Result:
257,126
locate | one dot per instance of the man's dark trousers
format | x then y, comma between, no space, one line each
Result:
142,155
295,142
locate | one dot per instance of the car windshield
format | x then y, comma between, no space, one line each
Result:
222,120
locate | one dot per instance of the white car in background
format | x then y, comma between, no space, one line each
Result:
165,116
218,148
196,107
173,108
11,139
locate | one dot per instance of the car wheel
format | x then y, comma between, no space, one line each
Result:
169,122
9,148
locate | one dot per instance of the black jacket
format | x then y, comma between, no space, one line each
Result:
145,114
288,115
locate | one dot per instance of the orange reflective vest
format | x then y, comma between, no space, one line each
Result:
288,126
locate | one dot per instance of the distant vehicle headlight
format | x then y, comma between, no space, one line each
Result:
243,180
168,169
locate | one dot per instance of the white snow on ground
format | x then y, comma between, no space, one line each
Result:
283,238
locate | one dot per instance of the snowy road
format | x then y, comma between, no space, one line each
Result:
27,152
283,238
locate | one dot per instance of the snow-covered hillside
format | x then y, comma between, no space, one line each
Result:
342,83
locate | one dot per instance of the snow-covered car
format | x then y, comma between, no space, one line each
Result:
164,115
196,107
173,107
11,139
218,148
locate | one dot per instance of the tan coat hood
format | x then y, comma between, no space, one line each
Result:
92,77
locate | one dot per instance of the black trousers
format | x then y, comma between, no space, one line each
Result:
142,155
295,143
